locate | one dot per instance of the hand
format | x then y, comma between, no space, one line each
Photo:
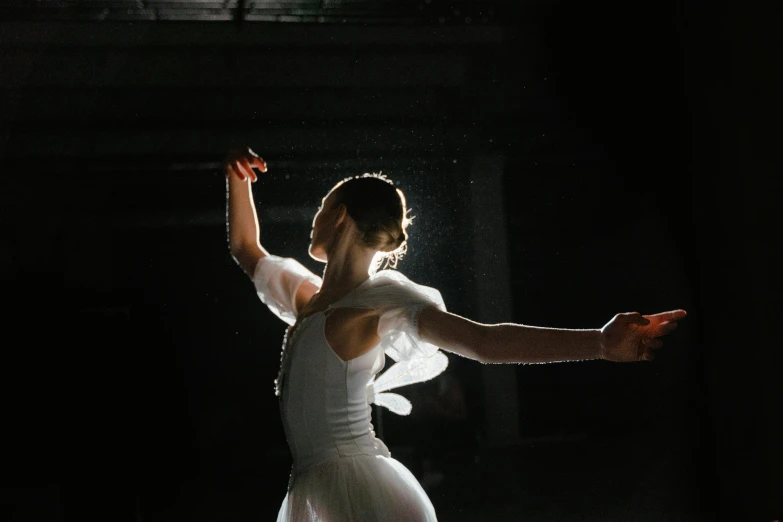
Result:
632,337
240,163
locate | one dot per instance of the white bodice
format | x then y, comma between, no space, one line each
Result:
341,471
324,400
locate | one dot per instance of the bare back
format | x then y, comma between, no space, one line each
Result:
350,332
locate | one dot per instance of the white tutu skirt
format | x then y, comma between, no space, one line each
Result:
363,488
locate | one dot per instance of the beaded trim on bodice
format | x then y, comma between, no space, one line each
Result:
291,334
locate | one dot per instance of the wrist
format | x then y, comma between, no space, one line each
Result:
600,348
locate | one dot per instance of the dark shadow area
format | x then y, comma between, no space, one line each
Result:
639,153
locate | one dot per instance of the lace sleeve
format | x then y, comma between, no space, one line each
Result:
398,326
277,280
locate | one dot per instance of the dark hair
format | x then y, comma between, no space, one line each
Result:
380,212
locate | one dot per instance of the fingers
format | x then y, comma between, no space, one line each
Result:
247,169
635,318
660,329
648,345
672,315
665,328
232,166
241,162
235,167
241,168
661,324
259,163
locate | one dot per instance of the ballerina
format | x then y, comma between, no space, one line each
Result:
342,325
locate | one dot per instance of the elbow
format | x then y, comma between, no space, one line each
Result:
246,256
238,252
237,243
481,345
240,248
489,349
241,240
235,248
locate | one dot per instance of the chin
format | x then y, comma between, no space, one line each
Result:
317,253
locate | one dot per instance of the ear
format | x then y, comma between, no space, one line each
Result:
342,213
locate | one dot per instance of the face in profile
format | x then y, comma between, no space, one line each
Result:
319,232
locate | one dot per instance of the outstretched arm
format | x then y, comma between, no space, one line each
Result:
626,338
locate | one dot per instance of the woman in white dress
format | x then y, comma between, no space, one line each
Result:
343,325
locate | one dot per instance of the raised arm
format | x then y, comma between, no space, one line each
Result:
627,337
242,219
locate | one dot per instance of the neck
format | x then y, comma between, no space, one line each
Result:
347,267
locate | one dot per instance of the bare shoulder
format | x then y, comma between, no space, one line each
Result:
304,294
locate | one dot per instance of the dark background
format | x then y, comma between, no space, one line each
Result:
638,149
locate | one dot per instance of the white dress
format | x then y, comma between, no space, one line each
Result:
341,471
